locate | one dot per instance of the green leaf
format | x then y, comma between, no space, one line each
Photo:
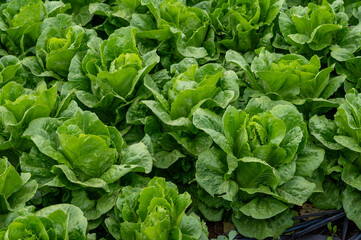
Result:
263,208
191,227
324,131
350,173
348,142
23,194
351,198
211,123
188,99
309,160
72,226
10,180
210,171
260,229
234,127
296,191
253,172
138,155
330,198
42,132
164,116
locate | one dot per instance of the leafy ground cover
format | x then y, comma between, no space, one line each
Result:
179,119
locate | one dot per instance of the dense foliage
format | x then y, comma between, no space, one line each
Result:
145,119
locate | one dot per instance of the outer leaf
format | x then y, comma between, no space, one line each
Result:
351,198
211,169
260,229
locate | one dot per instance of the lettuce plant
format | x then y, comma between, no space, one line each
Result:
57,222
244,25
156,211
177,100
60,39
313,28
290,77
107,74
260,165
166,147
20,22
346,54
187,29
18,107
343,135
85,155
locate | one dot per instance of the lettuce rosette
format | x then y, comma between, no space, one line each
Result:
20,22
18,107
84,156
261,162
155,211
336,32
59,40
170,151
290,77
343,135
106,76
346,54
244,25
176,99
57,222
182,31
312,29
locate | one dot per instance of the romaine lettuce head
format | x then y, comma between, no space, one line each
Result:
343,134
20,22
260,164
60,39
244,25
312,28
18,107
62,221
176,100
185,29
88,149
107,74
156,211
83,155
344,131
290,77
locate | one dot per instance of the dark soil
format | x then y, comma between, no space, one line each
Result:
215,229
